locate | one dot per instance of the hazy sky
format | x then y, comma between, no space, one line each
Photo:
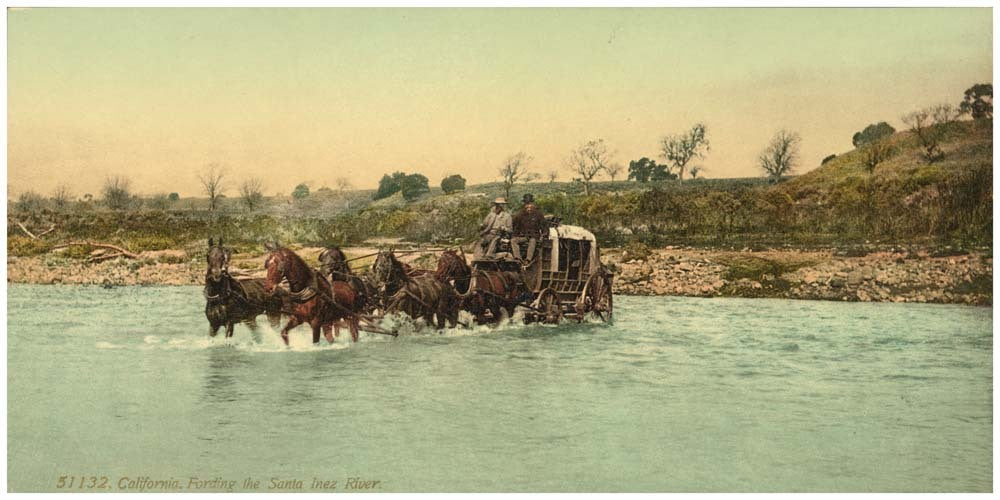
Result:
315,94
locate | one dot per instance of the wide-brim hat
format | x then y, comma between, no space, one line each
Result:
500,201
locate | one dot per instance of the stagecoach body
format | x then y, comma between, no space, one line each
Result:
566,277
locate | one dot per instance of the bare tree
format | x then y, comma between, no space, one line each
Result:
553,175
515,169
682,148
343,184
944,113
922,125
61,196
613,170
29,201
158,201
117,192
252,192
589,160
781,155
211,184
695,170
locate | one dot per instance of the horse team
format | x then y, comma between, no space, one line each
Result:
334,296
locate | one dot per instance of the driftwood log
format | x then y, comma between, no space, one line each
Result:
121,251
33,235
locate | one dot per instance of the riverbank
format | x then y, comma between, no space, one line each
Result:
883,276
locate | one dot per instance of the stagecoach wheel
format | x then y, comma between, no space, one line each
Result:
548,304
597,296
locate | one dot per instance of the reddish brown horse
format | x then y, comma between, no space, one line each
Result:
481,291
316,301
333,264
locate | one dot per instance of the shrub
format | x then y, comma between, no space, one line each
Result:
150,242
301,191
23,246
78,251
872,133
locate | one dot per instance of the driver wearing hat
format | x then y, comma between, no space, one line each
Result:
497,223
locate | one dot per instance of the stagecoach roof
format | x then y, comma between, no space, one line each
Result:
571,233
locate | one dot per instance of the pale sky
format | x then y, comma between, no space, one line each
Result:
293,95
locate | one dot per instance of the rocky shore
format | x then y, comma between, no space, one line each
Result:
886,276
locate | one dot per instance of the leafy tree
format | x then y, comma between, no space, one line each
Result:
662,173
645,170
453,183
872,133
301,191
780,155
978,101
413,185
682,148
174,197
389,185
695,170
640,170
588,161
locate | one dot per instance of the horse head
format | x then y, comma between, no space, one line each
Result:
332,260
451,266
276,263
218,260
385,269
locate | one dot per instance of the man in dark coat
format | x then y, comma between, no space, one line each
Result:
529,227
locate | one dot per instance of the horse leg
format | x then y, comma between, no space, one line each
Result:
213,329
315,326
495,311
229,329
292,323
328,333
352,323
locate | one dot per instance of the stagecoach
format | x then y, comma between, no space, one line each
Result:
565,278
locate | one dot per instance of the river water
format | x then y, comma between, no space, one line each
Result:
680,394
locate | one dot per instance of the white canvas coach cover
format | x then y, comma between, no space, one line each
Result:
572,233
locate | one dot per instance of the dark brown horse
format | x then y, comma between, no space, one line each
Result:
315,300
333,265
229,301
419,297
481,290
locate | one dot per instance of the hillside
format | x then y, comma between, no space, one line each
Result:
904,200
